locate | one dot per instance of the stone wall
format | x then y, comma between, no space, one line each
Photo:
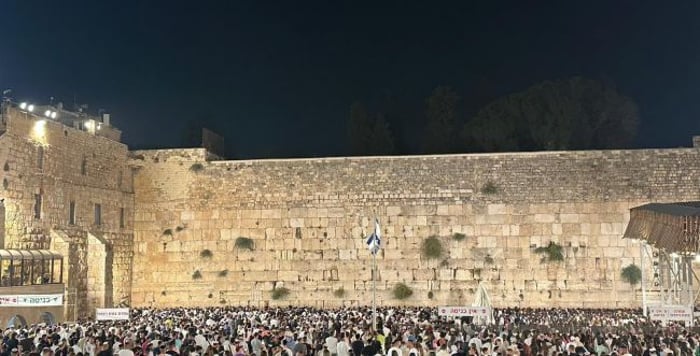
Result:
46,166
307,218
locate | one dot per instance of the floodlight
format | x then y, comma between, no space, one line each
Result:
23,106
30,107
53,115
47,113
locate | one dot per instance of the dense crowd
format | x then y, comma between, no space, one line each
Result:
297,331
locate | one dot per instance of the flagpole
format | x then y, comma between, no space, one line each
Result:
374,292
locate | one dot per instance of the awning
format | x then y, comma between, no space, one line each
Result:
674,227
33,255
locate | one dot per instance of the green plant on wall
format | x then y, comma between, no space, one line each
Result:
196,167
488,259
168,232
197,275
553,252
223,273
632,274
245,243
458,236
279,293
432,248
339,293
489,188
206,253
402,291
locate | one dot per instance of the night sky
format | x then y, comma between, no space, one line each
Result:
277,78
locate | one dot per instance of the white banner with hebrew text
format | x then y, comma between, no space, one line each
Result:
31,300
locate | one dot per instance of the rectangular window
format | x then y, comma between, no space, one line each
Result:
98,214
37,206
40,157
121,218
83,167
71,213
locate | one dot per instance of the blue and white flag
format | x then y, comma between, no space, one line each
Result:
374,241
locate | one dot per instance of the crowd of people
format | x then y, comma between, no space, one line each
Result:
400,331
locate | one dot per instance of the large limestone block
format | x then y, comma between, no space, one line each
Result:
424,274
569,218
464,275
271,213
544,218
288,275
446,274
347,254
393,210
296,222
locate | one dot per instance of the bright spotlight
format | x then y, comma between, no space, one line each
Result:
53,115
47,113
23,106
30,107
39,131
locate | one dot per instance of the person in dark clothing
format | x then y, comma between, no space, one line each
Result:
357,345
12,342
27,345
105,350
300,348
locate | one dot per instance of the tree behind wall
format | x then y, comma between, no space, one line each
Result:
369,134
576,113
441,121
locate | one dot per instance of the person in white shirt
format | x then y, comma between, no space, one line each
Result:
395,349
332,345
343,347
443,351
126,350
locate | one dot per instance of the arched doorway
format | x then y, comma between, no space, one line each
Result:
47,318
16,321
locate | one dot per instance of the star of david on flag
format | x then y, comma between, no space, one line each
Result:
374,241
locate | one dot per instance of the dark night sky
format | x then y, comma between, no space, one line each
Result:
277,79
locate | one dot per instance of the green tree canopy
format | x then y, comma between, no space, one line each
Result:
441,121
576,113
369,134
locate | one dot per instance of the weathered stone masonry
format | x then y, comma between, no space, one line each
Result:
307,218
44,160
160,210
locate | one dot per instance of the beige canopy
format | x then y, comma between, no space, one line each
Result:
674,227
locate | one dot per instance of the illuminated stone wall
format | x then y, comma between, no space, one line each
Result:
62,164
307,218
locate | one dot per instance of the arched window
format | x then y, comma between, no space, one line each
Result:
16,321
47,318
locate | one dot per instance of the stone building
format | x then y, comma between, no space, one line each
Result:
182,227
67,187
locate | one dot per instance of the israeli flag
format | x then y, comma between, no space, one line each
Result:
374,241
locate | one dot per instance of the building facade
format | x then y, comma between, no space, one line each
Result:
182,227
67,188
